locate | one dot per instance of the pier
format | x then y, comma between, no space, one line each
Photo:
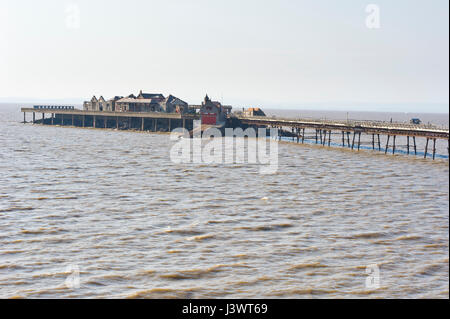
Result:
322,132
349,132
143,121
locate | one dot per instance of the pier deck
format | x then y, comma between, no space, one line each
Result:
155,121
369,127
152,121
325,128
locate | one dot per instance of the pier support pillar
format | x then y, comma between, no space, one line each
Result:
407,145
343,139
170,125
83,118
62,119
24,118
106,122
373,141
155,124
415,146
43,118
387,144
53,116
316,136
184,123
434,148
72,120
94,122
379,143
329,138
426,148
393,145
348,139
353,142
303,136
142,123
359,140
117,122
34,118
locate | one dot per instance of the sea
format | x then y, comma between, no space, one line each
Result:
101,213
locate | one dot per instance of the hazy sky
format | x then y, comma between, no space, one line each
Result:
269,53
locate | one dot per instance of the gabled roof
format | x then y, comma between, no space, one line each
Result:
174,100
115,98
94,99
151,96
101,98
141,101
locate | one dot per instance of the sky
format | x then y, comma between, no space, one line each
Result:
324,54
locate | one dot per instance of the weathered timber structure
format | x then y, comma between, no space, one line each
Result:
143,121
324,129
345,133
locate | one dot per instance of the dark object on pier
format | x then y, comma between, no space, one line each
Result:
54,107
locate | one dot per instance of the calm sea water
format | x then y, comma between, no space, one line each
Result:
113,206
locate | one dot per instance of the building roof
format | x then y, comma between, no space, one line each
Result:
115,98
150,95
174,100
131,100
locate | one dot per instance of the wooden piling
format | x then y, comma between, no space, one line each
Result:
426,148
43,118
343,139
359,140
379,143
387,144
393,145
348,139
72,120
83,120
353,142
62,119
117,122
434,148
34,118
142,123
94,124
407,145
415,146
373,141
53,116
329,138
303,136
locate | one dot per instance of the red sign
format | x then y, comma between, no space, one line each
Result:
209,118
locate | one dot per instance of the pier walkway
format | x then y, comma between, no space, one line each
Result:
322,130
325,128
